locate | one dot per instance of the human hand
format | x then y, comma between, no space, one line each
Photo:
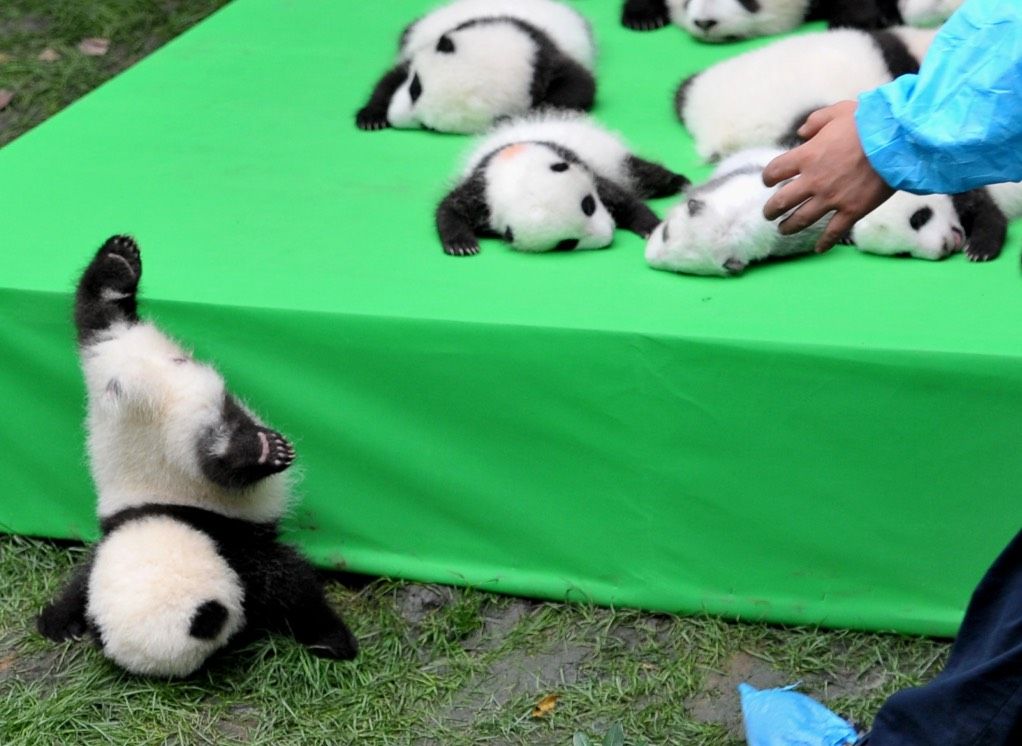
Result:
833,175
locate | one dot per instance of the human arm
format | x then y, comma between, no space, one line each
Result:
928,143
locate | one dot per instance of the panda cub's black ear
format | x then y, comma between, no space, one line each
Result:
445,45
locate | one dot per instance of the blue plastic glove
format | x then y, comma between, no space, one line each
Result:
957,125
783,717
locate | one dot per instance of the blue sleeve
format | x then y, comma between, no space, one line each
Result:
957,125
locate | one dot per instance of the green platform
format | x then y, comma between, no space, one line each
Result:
831,440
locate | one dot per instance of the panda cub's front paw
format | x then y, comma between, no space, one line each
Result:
370,120
644,15
461,249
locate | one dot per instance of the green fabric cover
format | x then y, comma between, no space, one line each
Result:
829,440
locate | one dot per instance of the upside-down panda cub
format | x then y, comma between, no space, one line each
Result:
552,181
468,63
190,492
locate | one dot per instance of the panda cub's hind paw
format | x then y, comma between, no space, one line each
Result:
339,644
56,624
118,265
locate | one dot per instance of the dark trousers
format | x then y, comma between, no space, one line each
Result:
977,699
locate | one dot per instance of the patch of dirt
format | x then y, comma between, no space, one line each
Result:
498,621
414,602
534,674
718,701
239,723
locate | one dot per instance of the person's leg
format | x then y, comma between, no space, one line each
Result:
977,699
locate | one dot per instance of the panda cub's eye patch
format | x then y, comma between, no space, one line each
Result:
415,89
445,45
508,235
588,205
695,207
560,166
920,217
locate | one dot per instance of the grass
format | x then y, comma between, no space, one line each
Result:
438,666
28,27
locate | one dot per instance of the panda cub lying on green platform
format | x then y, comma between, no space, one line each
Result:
551,181
190,492
718,228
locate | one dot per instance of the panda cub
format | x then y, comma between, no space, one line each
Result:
769,88
468,63
730,20
190,492
719,228
553,181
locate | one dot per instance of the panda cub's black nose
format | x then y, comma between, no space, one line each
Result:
566,245
705,23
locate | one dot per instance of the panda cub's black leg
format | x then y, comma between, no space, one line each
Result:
64,617
571,86
307,614
373,116
628,211
645,15
239,451
985,225
653,180
107,289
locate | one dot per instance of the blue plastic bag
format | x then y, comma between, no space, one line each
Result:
783,717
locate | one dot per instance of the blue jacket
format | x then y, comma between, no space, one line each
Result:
957,125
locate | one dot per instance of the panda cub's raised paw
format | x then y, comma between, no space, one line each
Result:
117,266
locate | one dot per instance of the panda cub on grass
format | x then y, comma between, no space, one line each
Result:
555,181
190,492
719,228
729,20
465,64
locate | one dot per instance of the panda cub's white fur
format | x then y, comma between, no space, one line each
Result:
753,100
719,228
601,149
142,430
160,564
551,180
465,64
1008,197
